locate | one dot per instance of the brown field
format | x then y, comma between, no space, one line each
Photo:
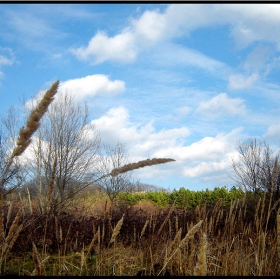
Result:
92,240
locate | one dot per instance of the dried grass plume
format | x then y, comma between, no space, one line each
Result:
33,121
201,265
139,164
116,230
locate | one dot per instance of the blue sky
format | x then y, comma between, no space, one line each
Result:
183,81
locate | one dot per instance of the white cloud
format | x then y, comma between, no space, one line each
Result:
115,126
101,48
181,112
207,158
248,23
150,27
84,87
257,59
273,133
207,148
5,61
206,169
238,81
92,85
175,54
221,105
7,56
258,22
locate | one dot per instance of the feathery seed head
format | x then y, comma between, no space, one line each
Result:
139,164
117,230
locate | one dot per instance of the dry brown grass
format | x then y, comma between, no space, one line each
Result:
233,246
145,206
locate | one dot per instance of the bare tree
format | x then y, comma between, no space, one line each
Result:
254,167
67,136
14,176
112,158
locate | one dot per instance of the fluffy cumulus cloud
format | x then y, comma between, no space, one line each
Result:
206,158
221,105
93,85
202,159
84,87
154,26
255,23
101,48
115,126
206,169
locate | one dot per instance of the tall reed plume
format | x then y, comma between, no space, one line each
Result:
139,164
32,124
116,230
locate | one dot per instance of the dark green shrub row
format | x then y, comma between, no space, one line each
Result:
185,198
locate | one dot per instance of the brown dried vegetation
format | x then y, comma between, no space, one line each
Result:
217,242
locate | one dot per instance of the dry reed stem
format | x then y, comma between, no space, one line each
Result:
83,260
9,214
201,265
167,218
134,235
60,234
2,227
51,186
274,173
139,164
144,228
96,237
15,236
176,241
103,232
36,259
278,238
14,227
99,239
176,224
190,234
116,230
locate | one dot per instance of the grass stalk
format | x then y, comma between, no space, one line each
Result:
183,242
201,265
116,230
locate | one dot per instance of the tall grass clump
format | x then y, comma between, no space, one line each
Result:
23,141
